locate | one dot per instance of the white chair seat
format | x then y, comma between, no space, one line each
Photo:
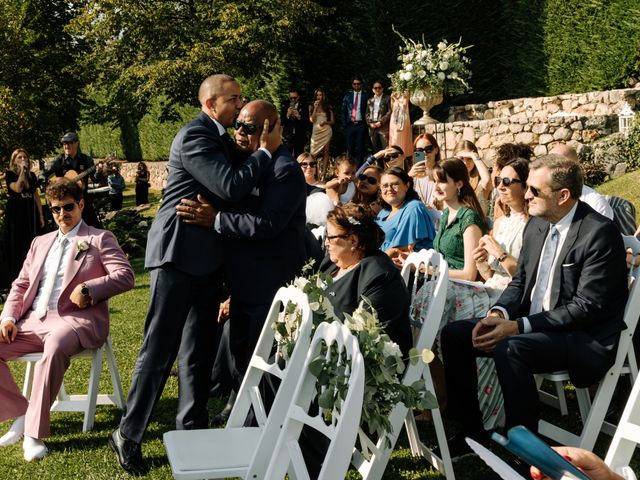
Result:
85,403
195,454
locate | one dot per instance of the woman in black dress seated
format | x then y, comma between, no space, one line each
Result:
360,269
23,215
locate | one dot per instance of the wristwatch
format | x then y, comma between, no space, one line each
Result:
85,290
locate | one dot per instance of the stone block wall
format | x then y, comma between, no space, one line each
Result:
575,119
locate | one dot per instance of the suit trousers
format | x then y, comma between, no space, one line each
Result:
58,342
246,322
181,316
378,139
356,136
517,359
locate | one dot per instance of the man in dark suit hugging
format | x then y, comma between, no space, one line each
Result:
264,234
563,310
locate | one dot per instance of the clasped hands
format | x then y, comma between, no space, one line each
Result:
487,246
491,329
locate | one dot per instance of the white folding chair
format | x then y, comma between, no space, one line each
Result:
342,427
372,457
593,414
82,403
627,434
227,452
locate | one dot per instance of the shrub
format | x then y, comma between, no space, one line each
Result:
131,229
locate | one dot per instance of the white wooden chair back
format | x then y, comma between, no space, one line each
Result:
340,430
371,457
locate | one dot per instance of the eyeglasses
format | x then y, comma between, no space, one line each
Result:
249,128
308,164
506,181
328,238
390,186
426,149
536,193
366,178
67,207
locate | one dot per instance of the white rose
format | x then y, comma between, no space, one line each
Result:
409,67
300,282
422,74
391,349
444,65
442,45
454,75
441,75
407,76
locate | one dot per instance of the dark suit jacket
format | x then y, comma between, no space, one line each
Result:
347,106
199,163
292,128
264,234
384,115
378,279
589,290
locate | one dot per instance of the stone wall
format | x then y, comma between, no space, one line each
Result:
157,173
575,119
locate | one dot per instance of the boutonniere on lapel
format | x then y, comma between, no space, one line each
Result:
81,246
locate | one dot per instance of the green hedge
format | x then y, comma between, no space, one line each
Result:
155,135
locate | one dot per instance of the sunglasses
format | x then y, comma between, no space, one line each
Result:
427,149
356,84
293,99
308,164
67,207
506,181
328,238
536,193
249,128
366,178
377,88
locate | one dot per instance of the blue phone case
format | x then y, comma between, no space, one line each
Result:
526,445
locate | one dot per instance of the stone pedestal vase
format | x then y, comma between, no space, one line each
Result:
426,99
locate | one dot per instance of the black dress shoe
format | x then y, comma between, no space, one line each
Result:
221,418
128,452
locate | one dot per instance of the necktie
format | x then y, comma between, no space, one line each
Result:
546,261
43,303
354,110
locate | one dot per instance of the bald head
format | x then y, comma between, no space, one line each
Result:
212,86
564,150
261,110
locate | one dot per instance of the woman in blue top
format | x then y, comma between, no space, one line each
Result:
405,221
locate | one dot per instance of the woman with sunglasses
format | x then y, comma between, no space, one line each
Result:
309,166
321,116
479,176
368,188
404,219
426,156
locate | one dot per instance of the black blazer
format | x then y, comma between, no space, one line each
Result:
589,290
199,163
378,279
384,115
265,233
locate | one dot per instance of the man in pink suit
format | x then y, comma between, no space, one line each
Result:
57,306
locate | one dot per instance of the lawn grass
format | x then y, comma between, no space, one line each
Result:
77,455
627,187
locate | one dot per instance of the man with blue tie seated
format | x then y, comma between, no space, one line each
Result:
264,234
563,310
57,306
354,108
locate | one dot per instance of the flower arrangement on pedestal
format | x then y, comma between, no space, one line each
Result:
429,73
384,365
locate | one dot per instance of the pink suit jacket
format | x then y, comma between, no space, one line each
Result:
102,266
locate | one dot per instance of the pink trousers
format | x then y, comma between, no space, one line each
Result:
58,342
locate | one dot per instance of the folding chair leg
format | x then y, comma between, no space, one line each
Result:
28,380
92,393
118,395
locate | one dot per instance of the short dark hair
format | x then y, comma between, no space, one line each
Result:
565,173
358,220
61,188
510,151
406,179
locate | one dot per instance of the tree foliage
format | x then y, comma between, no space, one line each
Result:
40,83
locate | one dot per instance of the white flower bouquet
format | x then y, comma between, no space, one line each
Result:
443,68
383,360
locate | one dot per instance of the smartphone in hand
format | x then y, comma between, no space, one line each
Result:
522,442
418,156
